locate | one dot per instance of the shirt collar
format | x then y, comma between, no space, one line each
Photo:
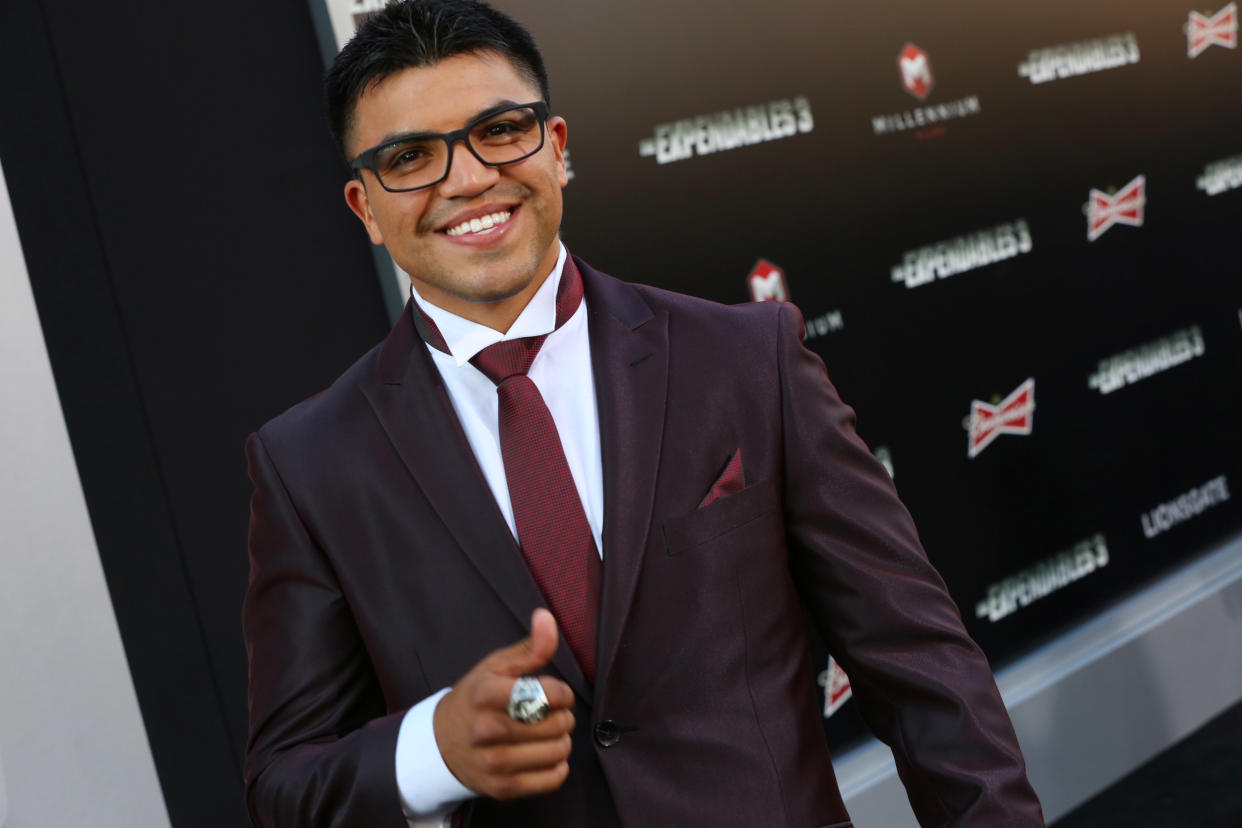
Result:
465,338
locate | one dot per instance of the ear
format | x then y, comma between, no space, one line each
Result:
356,198
558,136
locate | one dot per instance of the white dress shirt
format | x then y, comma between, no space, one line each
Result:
562,373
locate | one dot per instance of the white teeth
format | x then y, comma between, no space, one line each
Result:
482,224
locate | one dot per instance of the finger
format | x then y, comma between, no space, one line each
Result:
493,728
525,757
543,636
529,784
529,654
493,692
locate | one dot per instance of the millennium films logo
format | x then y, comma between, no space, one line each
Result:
916,73
767,283
964,253
1013,415
1082,58
1185,507
1006,597
1220,29
915,70
1129,367
836,686
1221,176
727,130
1125,206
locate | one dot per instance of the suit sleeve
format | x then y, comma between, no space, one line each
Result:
321,747
923,686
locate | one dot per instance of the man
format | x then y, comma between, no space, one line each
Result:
674,480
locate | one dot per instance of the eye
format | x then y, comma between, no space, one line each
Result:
500,132
502,128
404,156
506,127
407,156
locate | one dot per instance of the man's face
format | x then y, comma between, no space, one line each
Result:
484,276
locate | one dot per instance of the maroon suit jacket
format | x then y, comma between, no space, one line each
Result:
382,570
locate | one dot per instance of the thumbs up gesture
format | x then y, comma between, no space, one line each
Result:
488,751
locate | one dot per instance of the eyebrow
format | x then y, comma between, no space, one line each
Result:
394,137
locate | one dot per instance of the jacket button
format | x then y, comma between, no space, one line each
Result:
607,733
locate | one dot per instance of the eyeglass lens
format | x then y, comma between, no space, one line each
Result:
499,139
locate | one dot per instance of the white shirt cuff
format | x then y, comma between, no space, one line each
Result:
429,791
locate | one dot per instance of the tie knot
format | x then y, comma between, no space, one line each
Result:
502,360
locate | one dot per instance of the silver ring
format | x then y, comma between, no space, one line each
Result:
527,701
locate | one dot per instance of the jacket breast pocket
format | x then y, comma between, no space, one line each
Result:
720,518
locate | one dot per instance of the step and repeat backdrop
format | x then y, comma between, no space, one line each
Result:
1013,231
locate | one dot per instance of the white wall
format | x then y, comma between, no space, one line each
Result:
74,749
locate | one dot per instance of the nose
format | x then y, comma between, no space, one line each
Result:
467,175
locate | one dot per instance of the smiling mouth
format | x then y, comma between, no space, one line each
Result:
482,225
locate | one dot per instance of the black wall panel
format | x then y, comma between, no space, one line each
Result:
196,272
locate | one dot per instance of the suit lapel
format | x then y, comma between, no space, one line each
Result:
414,408
629,357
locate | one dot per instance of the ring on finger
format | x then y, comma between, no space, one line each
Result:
527,701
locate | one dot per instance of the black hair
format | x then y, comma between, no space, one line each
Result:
414,33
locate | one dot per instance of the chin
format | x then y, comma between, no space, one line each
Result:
489,289
503,280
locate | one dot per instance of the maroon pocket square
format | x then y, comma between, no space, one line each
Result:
729,482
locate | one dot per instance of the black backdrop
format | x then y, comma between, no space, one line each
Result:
1048,525
192,281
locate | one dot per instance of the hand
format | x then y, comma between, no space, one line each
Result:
489,752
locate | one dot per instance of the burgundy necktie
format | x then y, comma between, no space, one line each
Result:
552,527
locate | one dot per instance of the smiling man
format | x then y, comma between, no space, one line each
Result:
544,556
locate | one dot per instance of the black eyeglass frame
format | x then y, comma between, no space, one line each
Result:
365,160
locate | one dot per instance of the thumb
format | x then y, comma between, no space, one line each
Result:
532,652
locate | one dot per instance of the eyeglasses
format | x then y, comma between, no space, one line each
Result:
413,162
